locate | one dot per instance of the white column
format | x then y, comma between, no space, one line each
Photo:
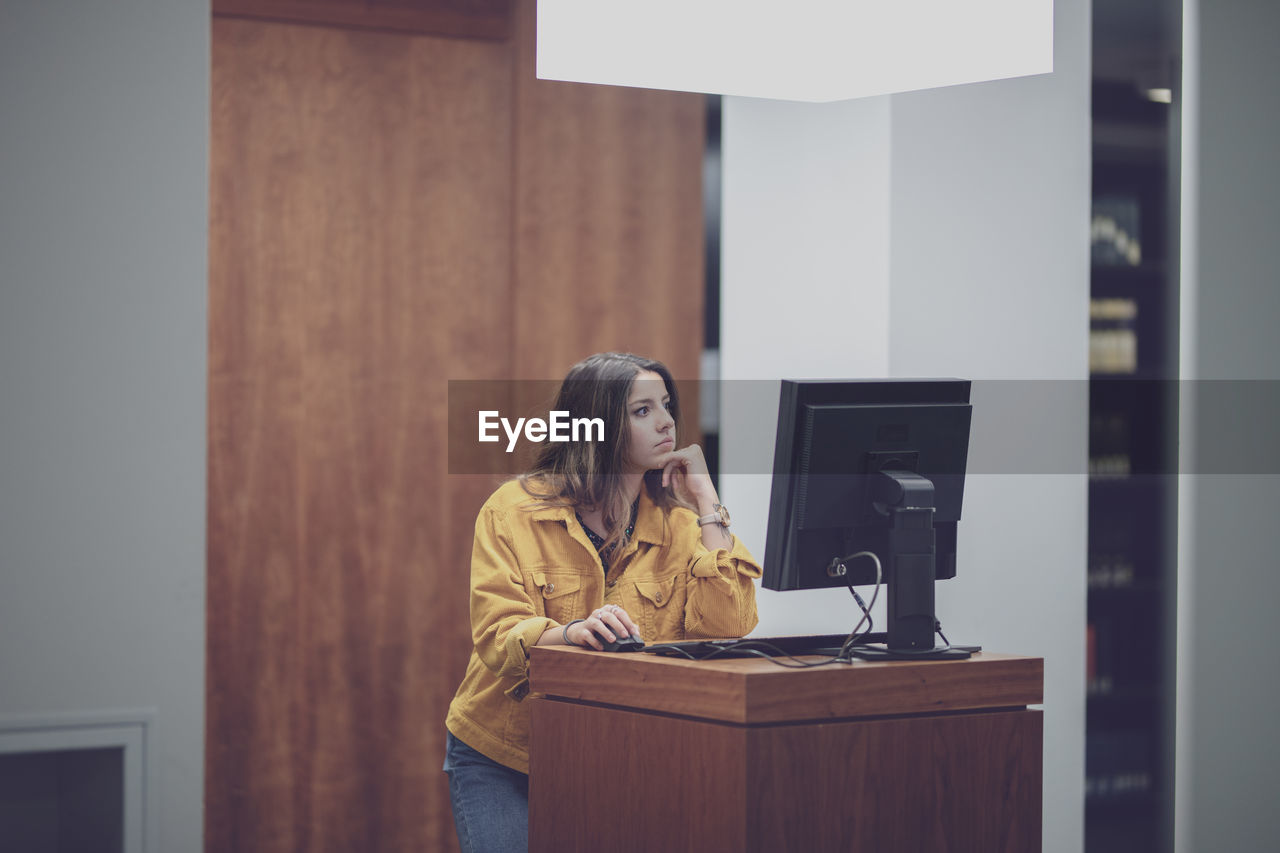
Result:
1228,761
940,233
104,137
990,260
805,292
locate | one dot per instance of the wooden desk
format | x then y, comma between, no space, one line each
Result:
632,752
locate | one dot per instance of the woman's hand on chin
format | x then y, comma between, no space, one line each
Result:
685,471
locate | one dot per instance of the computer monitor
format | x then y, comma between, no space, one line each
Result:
870,466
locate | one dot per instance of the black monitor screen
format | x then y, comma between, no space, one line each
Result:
834,439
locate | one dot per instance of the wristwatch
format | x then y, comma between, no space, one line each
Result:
719,515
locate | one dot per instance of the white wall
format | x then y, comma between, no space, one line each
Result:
1229,587
805,288
103,224
934,233
990,273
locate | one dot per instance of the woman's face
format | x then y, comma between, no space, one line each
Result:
652,430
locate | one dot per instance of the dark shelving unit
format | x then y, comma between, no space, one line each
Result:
1132,459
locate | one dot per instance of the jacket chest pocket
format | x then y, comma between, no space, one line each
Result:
560,595
660,619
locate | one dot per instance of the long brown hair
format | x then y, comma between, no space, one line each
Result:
588,474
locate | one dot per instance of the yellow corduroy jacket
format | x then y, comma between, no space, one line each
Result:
533,568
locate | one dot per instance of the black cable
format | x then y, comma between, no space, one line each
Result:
866,614
743,647
669,648
854,636
843,656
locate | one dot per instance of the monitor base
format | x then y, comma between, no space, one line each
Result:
883,653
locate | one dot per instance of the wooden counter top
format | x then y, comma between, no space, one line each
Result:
752,691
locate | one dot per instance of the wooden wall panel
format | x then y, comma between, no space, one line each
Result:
609,221
489,19
360,228
389,212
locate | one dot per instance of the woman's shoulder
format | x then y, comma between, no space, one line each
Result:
513,495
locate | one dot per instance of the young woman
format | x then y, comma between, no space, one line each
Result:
600,540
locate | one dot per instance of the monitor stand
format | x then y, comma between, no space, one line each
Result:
871,646
936,653
910,576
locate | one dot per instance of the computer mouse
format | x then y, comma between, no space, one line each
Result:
624,644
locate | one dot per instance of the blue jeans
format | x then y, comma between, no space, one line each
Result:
490,801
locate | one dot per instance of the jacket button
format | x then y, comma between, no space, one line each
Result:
551,588
659,598
611,584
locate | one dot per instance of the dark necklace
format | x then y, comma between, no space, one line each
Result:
597,541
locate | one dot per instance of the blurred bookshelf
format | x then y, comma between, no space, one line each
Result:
1131,571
